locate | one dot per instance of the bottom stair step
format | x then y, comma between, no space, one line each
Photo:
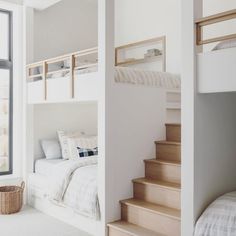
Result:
151,216
124,228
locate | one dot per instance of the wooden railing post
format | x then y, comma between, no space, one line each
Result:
45,71
72,75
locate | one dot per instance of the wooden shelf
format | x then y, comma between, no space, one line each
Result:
139,61
144,46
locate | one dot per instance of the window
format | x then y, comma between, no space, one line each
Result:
6,93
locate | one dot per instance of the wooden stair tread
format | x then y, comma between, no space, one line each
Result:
168,143
132,229
164,162
163,184
173,124
157,209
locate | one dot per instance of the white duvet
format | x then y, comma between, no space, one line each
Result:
219,219
74,183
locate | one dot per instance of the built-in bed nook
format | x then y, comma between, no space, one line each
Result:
216,72
216,68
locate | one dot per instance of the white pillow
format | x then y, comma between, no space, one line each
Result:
51,149
63,139
225,44
84,142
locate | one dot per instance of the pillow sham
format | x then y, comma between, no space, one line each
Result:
63,139
83,142
51,148
83,152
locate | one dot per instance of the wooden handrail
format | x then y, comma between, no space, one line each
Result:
63,57
213,19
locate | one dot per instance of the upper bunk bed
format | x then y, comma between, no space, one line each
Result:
216,71
75,76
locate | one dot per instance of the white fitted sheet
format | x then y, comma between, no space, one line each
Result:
45,167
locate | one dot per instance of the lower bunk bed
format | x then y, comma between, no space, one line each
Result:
67,188
219,219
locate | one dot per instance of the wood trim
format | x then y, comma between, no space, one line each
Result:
72,75
164,54
227,15
35,76
153,40
45,69
161,39
213,19
142,60
217,39
85,66
64,57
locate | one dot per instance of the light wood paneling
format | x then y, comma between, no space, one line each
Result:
168,151
213,19
124,228
153,217
169,171
157,192
173,132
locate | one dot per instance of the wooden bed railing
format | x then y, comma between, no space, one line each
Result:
210,20
42,67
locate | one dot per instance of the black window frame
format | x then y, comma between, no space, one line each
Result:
7,64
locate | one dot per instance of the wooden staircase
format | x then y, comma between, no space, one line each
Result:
155,208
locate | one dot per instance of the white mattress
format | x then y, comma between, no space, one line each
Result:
44,167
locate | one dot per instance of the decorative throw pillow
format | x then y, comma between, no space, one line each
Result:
63,139
51,149
84,142
83,152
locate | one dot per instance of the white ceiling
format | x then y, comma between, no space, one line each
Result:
40,4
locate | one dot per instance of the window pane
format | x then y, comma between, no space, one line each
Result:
4,120
4,36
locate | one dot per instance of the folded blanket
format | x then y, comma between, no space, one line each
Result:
76,181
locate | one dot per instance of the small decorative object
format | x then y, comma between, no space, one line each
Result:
152,53
11,199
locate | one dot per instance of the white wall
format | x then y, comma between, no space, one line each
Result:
214,147
140,20
80,117
66,27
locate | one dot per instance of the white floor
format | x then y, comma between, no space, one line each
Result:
30,222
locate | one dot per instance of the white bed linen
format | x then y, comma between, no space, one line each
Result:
76,180
219,219
142,77
45,167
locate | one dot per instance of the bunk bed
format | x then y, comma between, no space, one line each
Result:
75,77
70,77
216,69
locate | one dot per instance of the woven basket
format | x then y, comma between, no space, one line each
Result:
11,199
